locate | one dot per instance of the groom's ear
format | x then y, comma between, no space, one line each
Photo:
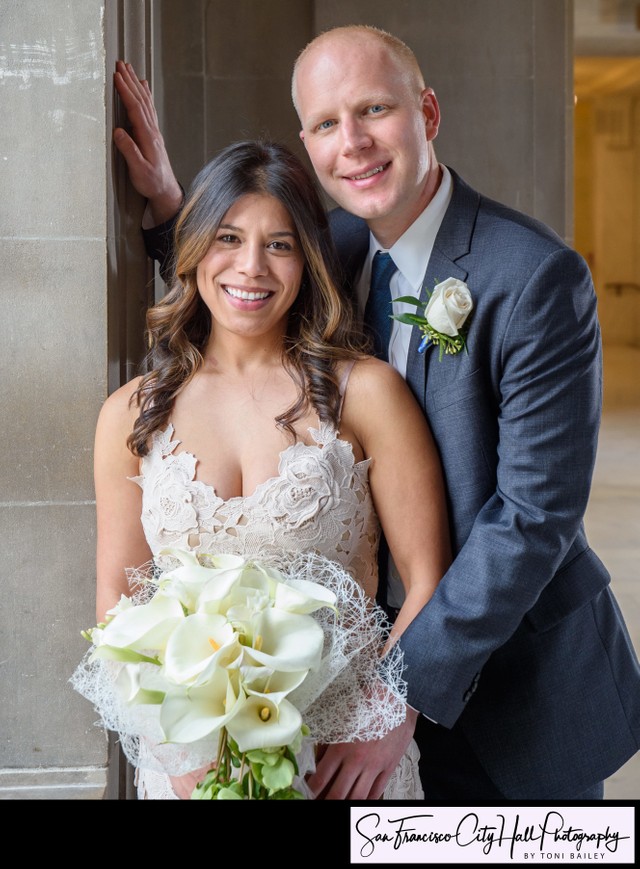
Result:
301,134
431,113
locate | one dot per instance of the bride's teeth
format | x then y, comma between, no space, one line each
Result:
246,295
368,174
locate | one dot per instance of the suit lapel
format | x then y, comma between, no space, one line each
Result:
453,242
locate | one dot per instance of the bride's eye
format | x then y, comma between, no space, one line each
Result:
280,246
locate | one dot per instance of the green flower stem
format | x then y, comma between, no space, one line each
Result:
222,759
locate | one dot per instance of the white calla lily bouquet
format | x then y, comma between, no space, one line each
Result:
225,662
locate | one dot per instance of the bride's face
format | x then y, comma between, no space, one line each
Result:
250,276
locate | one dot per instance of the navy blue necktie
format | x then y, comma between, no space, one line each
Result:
378,310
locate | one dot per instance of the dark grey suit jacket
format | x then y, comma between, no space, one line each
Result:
523,646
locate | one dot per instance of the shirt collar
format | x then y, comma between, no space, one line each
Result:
412,250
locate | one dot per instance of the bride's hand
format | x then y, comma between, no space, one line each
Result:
360,770
183,785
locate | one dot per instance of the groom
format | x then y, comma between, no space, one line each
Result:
522,678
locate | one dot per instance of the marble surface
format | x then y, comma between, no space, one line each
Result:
613,515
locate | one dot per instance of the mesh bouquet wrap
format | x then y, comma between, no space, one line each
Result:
212,642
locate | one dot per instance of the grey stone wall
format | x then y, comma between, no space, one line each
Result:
54,379
223,73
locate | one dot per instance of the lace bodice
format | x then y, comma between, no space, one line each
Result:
320,500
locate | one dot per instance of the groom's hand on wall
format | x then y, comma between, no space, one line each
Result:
143,147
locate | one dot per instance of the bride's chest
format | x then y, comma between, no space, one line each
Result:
235,453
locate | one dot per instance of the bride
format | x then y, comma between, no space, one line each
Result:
261,425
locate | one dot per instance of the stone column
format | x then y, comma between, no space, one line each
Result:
68,334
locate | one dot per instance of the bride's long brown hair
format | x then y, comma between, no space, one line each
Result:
320,329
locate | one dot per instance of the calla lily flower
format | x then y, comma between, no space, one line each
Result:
143,627
188,582
264,682
95,635
188,715
219,591
130,686
286,641
260,723
230,587
124,603
105,652
198,645
241,604
303,596
127,682
258,576
191,559
256,589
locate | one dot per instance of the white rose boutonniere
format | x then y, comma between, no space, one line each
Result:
445,317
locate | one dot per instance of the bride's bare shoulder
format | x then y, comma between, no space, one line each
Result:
370,375
120,409
376,392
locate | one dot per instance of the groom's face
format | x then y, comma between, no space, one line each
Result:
367,127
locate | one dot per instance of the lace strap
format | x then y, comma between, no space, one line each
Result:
346,371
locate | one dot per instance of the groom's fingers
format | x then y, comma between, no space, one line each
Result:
352,771
335,772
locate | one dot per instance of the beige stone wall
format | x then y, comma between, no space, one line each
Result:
74,285
54,376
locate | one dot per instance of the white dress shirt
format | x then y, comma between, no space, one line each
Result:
411,254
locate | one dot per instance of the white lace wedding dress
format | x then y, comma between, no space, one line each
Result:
320,501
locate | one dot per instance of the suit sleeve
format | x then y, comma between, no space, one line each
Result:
549,380
159,244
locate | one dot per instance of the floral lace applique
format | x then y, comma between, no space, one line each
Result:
174,504
320,500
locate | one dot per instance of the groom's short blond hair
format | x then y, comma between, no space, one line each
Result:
396,47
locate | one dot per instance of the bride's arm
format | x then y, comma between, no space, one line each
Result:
407,485
120,536
406,481
121,542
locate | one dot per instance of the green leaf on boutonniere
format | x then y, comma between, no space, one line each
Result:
409,319
410,300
